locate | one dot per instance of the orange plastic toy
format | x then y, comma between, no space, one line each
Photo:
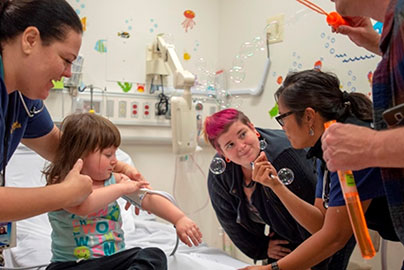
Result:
355,211
333,18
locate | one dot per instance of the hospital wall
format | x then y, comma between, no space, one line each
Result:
226,45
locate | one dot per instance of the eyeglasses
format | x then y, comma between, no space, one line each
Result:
280,117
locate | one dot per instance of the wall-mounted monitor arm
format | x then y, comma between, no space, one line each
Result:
183,116
182,79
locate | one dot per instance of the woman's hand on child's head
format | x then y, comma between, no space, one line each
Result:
188,231
264,172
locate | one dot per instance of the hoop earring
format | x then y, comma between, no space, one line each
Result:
257,133
311,131
227,160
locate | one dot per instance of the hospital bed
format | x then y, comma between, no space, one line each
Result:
33,234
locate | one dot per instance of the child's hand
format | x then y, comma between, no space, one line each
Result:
264,172
186,230
131,173
132,186
134,175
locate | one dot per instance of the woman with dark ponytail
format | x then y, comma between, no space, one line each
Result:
307,100
39,40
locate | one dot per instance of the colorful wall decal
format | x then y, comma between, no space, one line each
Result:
84,23
154,26
125,86
187,56
351,83
318,65
100,46
279,80
124,34
274,111
80,7
196,43
297,63
378,26
188,22
128,23
358,58
370,77
140,87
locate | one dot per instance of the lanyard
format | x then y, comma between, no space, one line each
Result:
326,188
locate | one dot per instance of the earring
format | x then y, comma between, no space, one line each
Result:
257,133
311,131
227,160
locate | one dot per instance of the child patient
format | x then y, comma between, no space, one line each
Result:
90,236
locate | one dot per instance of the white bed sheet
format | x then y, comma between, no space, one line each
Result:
33,234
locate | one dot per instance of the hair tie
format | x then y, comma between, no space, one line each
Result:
345,96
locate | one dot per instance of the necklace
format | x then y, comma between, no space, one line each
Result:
250,185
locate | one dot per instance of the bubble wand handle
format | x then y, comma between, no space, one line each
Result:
355,211
312,6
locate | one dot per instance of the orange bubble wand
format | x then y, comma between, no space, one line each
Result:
333,18
355,211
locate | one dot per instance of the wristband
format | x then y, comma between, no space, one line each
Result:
274,266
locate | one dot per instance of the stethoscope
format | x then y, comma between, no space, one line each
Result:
31,113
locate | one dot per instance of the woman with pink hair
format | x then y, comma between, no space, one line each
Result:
245,207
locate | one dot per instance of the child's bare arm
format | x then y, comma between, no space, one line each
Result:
187,230
101,197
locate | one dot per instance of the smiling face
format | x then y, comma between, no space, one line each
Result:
100,164
240,144
47,62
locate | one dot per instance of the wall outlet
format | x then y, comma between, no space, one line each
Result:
274,28
122,109
147,110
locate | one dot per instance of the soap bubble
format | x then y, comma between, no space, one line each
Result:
223,98
236,102
210,80
238,62
201,64
263,144
259,43
222,94
286,176
247,50
237,74
217,166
